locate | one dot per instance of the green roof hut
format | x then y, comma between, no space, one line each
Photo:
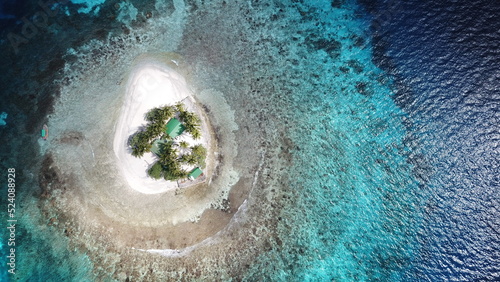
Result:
174,128
156,146
195,173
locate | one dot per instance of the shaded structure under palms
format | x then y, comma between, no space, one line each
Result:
159,137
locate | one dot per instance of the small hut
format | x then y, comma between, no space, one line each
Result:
174,128
195,173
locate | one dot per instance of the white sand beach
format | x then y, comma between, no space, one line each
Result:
150,85
102,189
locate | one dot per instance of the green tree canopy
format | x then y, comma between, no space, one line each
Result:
156,171
180,107
160,115
183,144
191,123
199,153
169,162
139,143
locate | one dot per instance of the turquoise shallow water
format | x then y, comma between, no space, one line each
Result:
349,209
354,197
350,204
354,202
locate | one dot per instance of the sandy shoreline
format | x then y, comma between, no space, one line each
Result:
86,184
150,85
90,131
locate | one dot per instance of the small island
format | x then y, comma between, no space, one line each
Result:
170,134
164,140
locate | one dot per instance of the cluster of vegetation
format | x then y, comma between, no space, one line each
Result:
169,161
142,141
171,155
168,165
196,157
190,121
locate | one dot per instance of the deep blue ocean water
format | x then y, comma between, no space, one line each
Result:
445,56
398,164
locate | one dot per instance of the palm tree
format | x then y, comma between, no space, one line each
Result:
167,112
155,171
173,171
198,150
139,143
189,118
199,153
188,159
151,115
183,144
149,134
167,152
191,123
196,134
182,173
159,115
169,163
180,107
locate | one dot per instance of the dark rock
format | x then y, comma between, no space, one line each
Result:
56,64
48,177
358,41
355,65
336,3
344,69
72,138
363,89
330,46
